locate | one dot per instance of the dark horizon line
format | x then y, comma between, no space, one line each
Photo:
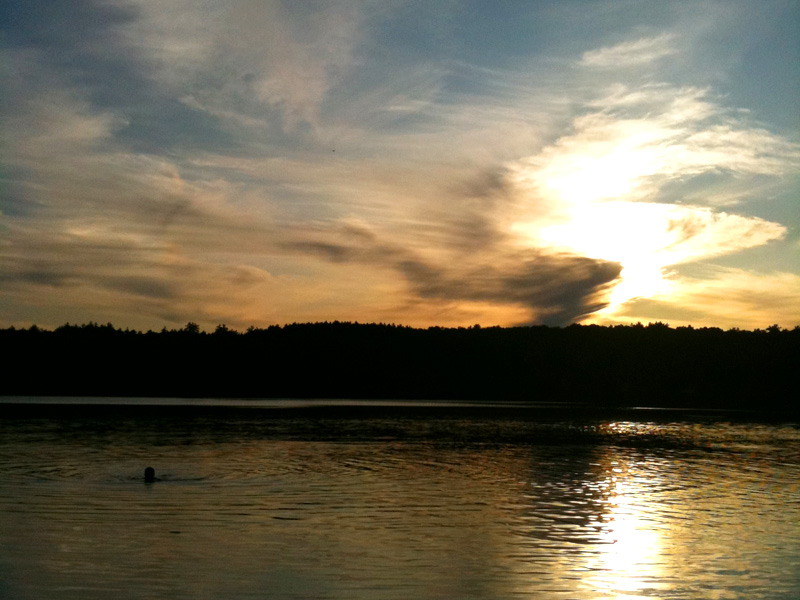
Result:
607,365
192,327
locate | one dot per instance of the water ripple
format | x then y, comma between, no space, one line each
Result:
394,506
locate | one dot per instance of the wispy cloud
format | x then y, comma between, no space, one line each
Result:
264,162
637,141
641,51
246,58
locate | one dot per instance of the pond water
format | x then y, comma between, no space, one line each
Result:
394,500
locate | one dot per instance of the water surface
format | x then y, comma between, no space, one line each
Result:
377,500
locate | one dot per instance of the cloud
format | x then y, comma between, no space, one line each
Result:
74,172
555,288
91,227
137,280
597,191
548,232
725,297
637,141
642,51
245,57
267,161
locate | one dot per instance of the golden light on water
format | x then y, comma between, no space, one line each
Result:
629,561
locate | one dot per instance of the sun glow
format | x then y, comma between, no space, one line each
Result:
637,235
592,181
596,191
645,238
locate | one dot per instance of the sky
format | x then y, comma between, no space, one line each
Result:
449,163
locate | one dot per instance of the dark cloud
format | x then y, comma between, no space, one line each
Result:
557,288
138,280
148,287
42,276
15,199
48,258
466,222
485,185
333,252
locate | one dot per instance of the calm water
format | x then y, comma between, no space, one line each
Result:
325,500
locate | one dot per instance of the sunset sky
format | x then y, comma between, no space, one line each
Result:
423,163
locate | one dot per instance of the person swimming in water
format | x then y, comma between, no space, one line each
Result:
149,475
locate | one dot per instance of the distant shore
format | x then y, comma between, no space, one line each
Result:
327,410
653,365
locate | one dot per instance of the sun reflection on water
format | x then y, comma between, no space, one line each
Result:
629,560
629,556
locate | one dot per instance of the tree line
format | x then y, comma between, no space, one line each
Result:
652,365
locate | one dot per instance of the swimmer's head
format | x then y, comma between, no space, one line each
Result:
149,474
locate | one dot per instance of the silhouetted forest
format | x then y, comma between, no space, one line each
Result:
653,365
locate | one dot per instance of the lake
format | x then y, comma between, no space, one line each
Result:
373,500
